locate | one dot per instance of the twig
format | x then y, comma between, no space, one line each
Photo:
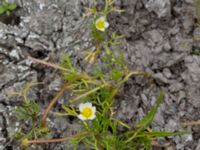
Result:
48,64
53,101
55,66
87,93
41,141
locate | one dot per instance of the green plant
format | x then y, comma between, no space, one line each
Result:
28,111
7,7
98,27
92,97
196,51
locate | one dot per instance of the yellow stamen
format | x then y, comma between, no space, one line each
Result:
87,112
100,24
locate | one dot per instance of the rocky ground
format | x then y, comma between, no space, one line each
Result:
160,38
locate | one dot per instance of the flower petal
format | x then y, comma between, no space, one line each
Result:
92,117
93,110
84,105
101,29
102,18
106,24
88,105
81,107
81,117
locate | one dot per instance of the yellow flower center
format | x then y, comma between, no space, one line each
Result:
100,24
87,112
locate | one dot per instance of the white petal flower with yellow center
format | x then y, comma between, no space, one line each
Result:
101,24
87,111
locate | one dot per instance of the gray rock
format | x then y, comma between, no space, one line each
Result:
189,1
142,52
1,123
141,114
167,73
176,86
144,99
186,138
160,77
192,77
188,23
154,37
171,126
158,119
7,76
127,109
198,146
161,8
14,54
55,84
2,108
61,124
170,148
181,96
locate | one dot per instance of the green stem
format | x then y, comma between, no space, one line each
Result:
86,125
134,135
132,73
109,101
105,9
88,93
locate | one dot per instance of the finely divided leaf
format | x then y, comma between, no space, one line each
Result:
27,110
66,62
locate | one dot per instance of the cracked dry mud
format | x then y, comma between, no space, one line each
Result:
159,38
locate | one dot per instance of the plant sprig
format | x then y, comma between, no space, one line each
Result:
92,97
7,7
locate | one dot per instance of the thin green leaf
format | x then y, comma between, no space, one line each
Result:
155,134
121,123
69,110
145,122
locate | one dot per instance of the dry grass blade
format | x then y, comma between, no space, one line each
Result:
191,123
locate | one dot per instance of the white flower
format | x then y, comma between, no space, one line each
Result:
101,24
87,111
